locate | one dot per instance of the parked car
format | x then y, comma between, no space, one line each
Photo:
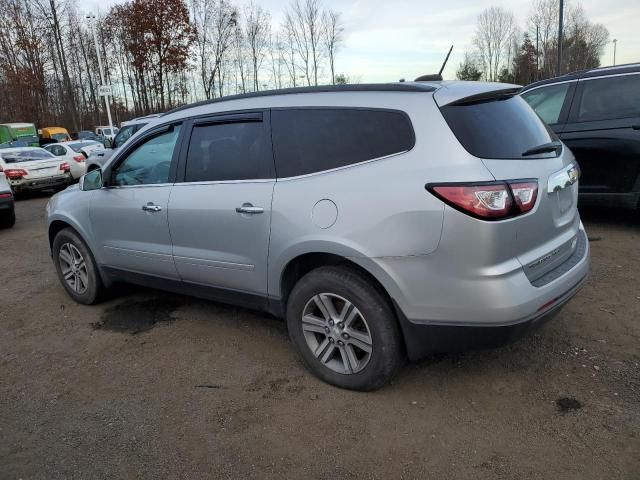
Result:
18,135
7,208
84,135
129,128
58,134
596,113
75,153
380,220
33,168
106,134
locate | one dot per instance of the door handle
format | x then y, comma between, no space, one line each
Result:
636,127
249,208
151,207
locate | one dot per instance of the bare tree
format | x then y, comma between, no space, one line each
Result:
257,31
493,37
332,38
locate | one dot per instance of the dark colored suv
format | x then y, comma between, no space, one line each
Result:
596,113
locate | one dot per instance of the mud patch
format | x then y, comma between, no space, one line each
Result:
136,316
568,404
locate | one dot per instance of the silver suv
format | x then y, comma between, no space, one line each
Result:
377,219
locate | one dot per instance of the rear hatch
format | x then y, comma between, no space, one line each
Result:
513,143
37,164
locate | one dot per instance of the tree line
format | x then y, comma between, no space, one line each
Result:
157,54
502,52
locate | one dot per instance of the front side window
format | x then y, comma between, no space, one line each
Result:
610,98
313,140
229,151
57,150
150,162
547,101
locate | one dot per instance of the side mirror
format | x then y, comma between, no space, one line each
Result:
108,143
91,180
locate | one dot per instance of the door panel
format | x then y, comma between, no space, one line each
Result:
129,216
601,133
129,237
227,164
215,245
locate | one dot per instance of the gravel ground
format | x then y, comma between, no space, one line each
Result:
151,385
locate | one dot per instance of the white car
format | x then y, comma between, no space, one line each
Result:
106,133
7,209
75,154
33,168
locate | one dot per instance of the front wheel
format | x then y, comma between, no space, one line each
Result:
76,267
344,329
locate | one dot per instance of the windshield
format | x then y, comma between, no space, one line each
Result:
60,136
106,131
502,128
25,156
76,147
125,134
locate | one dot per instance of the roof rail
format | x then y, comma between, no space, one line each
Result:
363,87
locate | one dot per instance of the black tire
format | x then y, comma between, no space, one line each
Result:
8,220
94,288
387,351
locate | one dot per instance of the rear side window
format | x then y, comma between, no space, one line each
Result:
312,140
610,98
229,151
497,128
547,101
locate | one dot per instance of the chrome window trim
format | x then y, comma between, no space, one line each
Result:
351,165
216,182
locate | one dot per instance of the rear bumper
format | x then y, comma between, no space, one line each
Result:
441,307
28,184
422,340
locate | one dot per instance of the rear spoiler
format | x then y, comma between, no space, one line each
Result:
492,95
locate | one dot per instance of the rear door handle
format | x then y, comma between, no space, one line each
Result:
636,127
151,207
249,208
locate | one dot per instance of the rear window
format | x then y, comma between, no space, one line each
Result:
497,128
76,147
610,98
312,140
25,155
229,151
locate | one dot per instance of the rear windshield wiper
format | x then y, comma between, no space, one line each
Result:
544,148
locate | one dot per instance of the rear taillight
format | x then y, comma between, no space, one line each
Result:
64,166
524,194
5,195
490,200
79,158
15,173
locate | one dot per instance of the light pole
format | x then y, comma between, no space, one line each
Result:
560,15
615,44
91,19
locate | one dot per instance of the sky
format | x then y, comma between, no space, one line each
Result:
386,40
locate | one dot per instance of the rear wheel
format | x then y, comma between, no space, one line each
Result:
76,267
344,329
8,219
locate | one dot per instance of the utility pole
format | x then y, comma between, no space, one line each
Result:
615,43
537,53
559,69
92,19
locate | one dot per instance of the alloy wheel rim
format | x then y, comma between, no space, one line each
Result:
74,268
337,333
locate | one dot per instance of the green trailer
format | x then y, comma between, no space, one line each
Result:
18,135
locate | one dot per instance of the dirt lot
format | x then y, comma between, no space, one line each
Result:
211,391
